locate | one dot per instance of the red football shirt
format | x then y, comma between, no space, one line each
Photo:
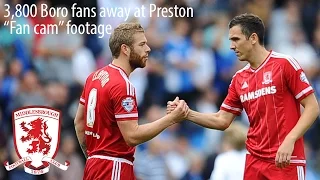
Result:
270,95
108,97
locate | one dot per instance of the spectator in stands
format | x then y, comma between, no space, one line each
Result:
229,165
54,60
150,163
67,152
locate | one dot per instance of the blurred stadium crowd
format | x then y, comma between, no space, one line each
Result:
190,58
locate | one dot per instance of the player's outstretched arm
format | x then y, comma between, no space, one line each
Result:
220,120
135,134
79,124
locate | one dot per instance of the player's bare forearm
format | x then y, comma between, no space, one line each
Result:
220,120
150,130
142,133
82,140
309,115
135,134
84,149
79,124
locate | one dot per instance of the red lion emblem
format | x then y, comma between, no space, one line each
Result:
37,134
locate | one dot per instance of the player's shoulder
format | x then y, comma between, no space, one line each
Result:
285,59
120,81
282,58
242,71
111,75
117,75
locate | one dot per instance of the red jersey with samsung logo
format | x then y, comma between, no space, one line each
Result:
270,95
108,97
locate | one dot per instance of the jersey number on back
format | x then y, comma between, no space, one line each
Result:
92,101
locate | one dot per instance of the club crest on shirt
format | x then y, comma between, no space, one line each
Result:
267,77
128,104
304,78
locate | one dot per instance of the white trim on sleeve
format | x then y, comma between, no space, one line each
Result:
82,100
231,108
126,115
303,92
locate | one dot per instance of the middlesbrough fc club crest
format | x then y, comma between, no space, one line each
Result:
36,133
267,77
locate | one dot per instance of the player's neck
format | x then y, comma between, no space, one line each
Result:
258,56
123,64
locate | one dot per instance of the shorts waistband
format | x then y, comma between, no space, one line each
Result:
122,160
293,159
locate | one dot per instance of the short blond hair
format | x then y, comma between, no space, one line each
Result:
236,135
123,34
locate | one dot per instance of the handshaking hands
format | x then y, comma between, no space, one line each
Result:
178,109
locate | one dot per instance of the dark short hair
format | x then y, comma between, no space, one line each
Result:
123,34
249,24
